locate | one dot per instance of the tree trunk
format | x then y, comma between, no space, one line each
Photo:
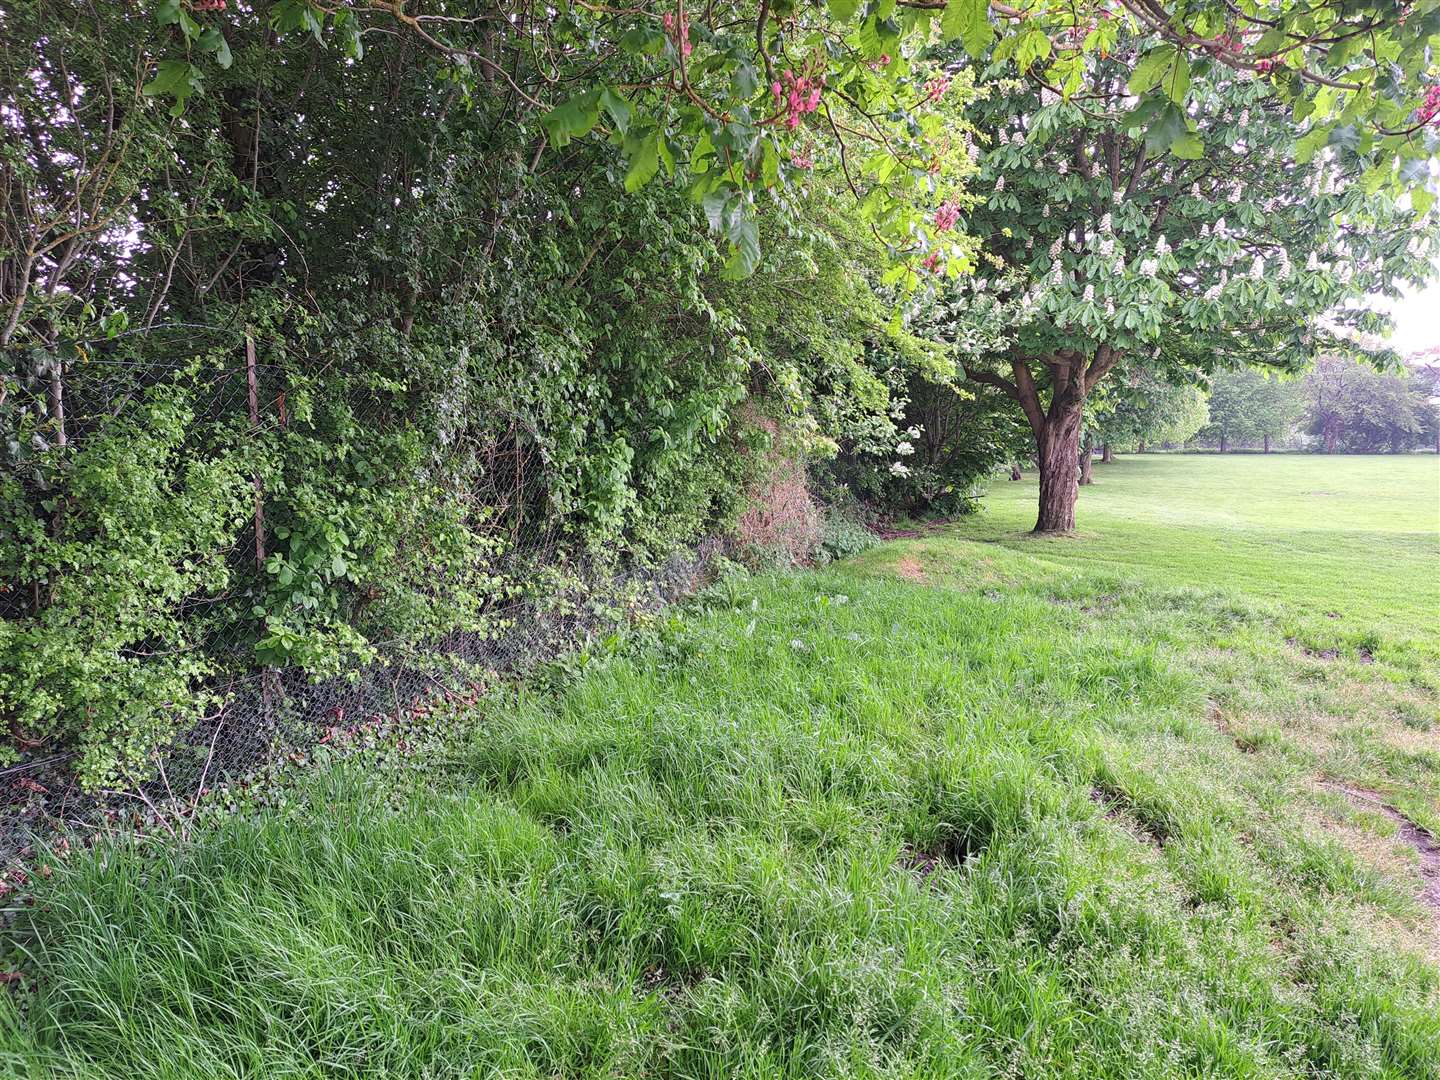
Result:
1141,448
1014,470
1224,443
1105,456
1087,462
1056,427
1267,444
1059,446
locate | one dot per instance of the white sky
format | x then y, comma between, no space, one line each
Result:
1417,319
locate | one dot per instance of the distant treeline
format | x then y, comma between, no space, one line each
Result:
1340,406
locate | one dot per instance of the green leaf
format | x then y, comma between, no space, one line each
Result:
1188,146
211,40
1414,171
744,248
1347,137
643,151
572,119
1166,129
744,81
177,79
1307,145
1034,45
618,108
968,20
1374,177
843,10
1151,69
714,203
703,149
347,29
642,40
1176,80
1270,42
769,165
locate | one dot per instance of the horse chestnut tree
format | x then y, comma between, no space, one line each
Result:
1110,242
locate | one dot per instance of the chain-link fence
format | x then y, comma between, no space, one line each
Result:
544,590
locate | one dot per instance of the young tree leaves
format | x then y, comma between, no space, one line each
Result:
1151,69
642,149
177,80
617,107
968,20
572,119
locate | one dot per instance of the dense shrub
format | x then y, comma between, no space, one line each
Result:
950,438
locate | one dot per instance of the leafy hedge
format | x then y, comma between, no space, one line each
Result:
477,355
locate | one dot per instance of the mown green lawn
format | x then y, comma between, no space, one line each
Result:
1356,536
971,805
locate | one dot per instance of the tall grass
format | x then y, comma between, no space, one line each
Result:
839,824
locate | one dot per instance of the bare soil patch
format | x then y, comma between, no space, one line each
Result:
1417,836
911,569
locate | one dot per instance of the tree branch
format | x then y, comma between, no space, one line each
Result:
1028,397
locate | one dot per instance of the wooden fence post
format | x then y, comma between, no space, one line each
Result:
55,400
253,383
270,689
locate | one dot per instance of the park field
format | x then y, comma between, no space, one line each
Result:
1358,537
1158,800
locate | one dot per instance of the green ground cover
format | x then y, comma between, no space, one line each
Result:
969,805
1359,536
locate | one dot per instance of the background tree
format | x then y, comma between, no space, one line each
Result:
1246,406
1140,409
743,81
1355,408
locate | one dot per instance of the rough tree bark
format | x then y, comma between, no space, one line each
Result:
1105,456
1087,462
1059,444
1056,425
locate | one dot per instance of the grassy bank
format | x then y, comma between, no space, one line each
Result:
970,805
